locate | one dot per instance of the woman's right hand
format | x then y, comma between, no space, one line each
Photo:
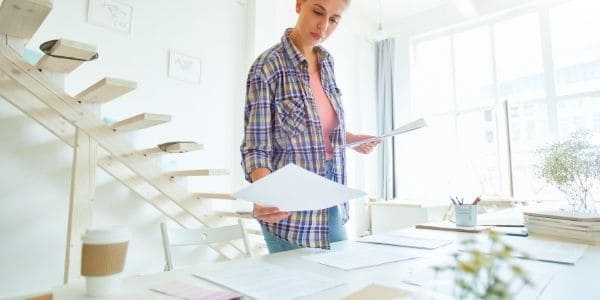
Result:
269,214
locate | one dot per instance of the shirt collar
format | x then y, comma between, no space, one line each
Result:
294,54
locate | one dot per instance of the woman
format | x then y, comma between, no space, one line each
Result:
294,114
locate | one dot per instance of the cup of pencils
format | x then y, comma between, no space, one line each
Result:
465,214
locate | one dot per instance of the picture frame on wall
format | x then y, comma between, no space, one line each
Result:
184,67
110,14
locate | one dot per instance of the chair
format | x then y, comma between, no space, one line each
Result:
173,237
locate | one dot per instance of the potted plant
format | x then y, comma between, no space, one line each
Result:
572,166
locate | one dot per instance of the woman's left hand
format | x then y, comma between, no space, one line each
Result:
365,148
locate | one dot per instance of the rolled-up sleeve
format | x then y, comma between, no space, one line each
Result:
256,145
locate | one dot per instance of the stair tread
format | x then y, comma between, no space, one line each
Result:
65,49
140,121
106,89
180,147
200,172
22,18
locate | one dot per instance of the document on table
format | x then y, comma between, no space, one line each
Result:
402,129
293,188
361,257
265,281
444,282
189,291
544,250
404,241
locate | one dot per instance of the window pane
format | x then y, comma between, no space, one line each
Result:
479,160
576,46
529,130
426,161
473,68
579,113
432,77
519,58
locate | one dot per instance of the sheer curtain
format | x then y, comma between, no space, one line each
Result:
384,79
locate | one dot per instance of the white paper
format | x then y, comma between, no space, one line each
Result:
292,188
402,129
360,257
443,282
542,250
264,281
404,241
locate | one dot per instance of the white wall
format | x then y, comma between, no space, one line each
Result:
35,176
36,166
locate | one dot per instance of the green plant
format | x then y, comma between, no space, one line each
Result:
572,166
486,274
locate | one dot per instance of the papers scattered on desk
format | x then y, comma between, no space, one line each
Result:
265,282
404,241
292,188
192,292
361,257
402,129
543,250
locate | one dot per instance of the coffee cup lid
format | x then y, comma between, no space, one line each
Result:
110,234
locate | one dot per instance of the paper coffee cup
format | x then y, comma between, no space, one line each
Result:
103,258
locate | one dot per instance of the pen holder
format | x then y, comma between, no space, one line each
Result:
465,215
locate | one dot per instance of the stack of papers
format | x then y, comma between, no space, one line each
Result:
292,188
577,227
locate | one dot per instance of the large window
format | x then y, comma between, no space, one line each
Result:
495,91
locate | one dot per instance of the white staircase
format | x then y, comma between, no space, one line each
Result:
76,121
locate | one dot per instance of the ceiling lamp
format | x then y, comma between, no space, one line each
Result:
380,35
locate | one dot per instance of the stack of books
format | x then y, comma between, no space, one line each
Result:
572,226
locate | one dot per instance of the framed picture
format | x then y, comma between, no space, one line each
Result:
184,67
110,14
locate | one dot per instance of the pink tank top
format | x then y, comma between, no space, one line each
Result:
327,114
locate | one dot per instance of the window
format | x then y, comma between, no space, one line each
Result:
545,62
576,46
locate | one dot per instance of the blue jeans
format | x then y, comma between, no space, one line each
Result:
337,232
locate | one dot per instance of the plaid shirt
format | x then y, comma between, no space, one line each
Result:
282,126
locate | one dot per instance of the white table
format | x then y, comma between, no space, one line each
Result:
571,282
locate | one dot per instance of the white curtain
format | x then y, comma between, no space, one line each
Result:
384,79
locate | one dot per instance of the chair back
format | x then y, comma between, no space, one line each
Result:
174,237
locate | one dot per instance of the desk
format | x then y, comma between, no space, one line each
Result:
571,282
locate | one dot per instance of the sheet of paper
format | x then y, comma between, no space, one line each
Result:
419,123
192,292
444,284
404,241
544,250
265,282
361,257
380,292
293,188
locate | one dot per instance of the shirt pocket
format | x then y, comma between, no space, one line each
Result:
292,117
